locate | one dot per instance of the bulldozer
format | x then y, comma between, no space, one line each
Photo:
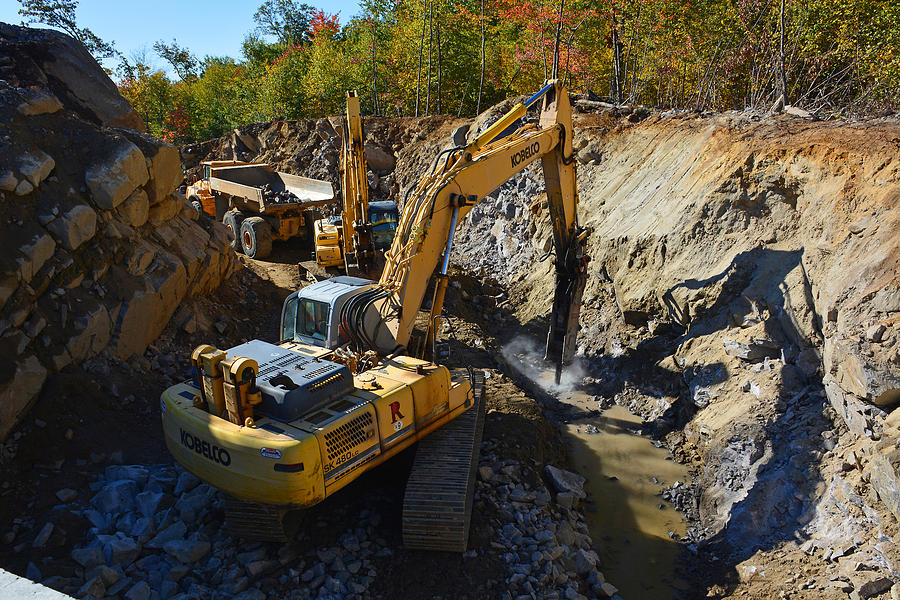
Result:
280,427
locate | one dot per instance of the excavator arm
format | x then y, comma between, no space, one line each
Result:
359,250
383,318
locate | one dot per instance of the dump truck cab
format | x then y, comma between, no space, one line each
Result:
312,315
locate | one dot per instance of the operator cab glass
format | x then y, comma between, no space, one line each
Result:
206,172
384,224
289,318
312,319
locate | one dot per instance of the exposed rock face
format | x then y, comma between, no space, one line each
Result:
64,73
767,252
98,247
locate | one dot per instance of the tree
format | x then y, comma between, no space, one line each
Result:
285,19
181,59
61,15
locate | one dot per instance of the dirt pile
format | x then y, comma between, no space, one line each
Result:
99,249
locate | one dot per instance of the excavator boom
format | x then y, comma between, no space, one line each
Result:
383,319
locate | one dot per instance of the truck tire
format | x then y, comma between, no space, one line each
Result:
232,221
195,202
256,237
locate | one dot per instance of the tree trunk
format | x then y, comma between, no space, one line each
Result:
421,48
440,107
430,39
555,73
481,79
781,83
616,84
374,70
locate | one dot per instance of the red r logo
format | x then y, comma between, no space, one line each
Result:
395,412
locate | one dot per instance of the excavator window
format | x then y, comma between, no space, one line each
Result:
206,172
313,319
289,319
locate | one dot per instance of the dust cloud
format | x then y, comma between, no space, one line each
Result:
526,356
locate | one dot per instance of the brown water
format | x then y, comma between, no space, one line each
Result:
630,530
625,474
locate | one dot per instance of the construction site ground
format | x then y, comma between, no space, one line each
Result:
107,413
69,439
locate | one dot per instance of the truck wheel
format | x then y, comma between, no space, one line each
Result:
195,202
256,237
232,221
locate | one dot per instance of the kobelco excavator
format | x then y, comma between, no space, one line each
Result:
282,427
352,240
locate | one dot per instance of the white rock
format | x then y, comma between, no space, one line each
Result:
36,166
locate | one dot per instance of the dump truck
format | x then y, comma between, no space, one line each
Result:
281,427
258,204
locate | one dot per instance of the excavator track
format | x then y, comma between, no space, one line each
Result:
258,522
437,505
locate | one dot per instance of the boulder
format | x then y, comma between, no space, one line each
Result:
75,227
34,254
117,176
116,497
379,160
92,333
8,181
19,391
38,102
65,66
565,481
187,551
36,166
135,210
146,313
884,469
88,557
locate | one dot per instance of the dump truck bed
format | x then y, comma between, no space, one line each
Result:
245,183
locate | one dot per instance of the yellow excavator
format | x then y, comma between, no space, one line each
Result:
351,241
282,427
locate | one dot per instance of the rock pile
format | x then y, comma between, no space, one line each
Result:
278,197
156,531
540,531
99,249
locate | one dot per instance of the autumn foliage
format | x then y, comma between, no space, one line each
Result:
408,57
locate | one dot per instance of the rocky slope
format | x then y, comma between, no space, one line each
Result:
99,249
744,299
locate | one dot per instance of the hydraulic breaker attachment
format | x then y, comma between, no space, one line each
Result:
241,393
571,276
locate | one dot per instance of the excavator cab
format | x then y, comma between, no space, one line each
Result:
312,315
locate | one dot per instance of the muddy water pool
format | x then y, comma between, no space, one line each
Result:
629,521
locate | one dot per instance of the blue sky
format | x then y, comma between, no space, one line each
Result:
206,27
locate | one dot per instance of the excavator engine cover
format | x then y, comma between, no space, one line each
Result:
293,384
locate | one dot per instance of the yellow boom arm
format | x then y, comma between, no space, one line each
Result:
383,319
357,231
